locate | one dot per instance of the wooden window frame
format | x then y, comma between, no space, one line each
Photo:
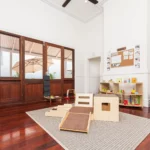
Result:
21,78
39,42
22,40
20,54
73,64
61,68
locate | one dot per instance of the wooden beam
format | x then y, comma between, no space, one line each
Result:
10,64
11,52
31,48
28,53
69,55
57,54
13,46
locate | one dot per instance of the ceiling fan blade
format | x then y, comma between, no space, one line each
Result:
93,1
66,3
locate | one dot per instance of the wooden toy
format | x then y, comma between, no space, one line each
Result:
106,107
84,100
59,111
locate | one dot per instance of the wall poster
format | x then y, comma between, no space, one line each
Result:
109,61
137,56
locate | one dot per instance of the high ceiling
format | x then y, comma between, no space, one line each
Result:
79,9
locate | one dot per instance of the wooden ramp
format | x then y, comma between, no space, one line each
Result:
77,119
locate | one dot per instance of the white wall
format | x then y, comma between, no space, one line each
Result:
35,19
94,46
148,34
125,24
148,45
149,88
94,75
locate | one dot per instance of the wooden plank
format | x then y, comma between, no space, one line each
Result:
89,121
81,110
130,105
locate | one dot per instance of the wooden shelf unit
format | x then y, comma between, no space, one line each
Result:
134,100
129,105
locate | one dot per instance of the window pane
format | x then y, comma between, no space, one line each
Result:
9,56
68,63
54,62
33,60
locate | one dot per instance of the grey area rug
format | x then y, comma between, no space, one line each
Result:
125,135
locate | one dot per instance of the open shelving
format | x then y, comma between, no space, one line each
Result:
133,100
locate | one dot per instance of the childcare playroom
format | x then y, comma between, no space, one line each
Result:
74,75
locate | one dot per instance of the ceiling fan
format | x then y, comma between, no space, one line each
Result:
68,1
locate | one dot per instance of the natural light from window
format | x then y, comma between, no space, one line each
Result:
9,56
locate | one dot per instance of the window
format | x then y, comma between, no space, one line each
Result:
68,63
54,62
33,60
9,56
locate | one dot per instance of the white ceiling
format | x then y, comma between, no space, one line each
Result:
78,8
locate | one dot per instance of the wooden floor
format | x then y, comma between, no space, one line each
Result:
20,132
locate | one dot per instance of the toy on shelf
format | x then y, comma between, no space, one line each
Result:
136,100
104,89
121,91
125,80
111,81
129,80
133,91
109,92
119,80
130,99
133,101
134,80
125,102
